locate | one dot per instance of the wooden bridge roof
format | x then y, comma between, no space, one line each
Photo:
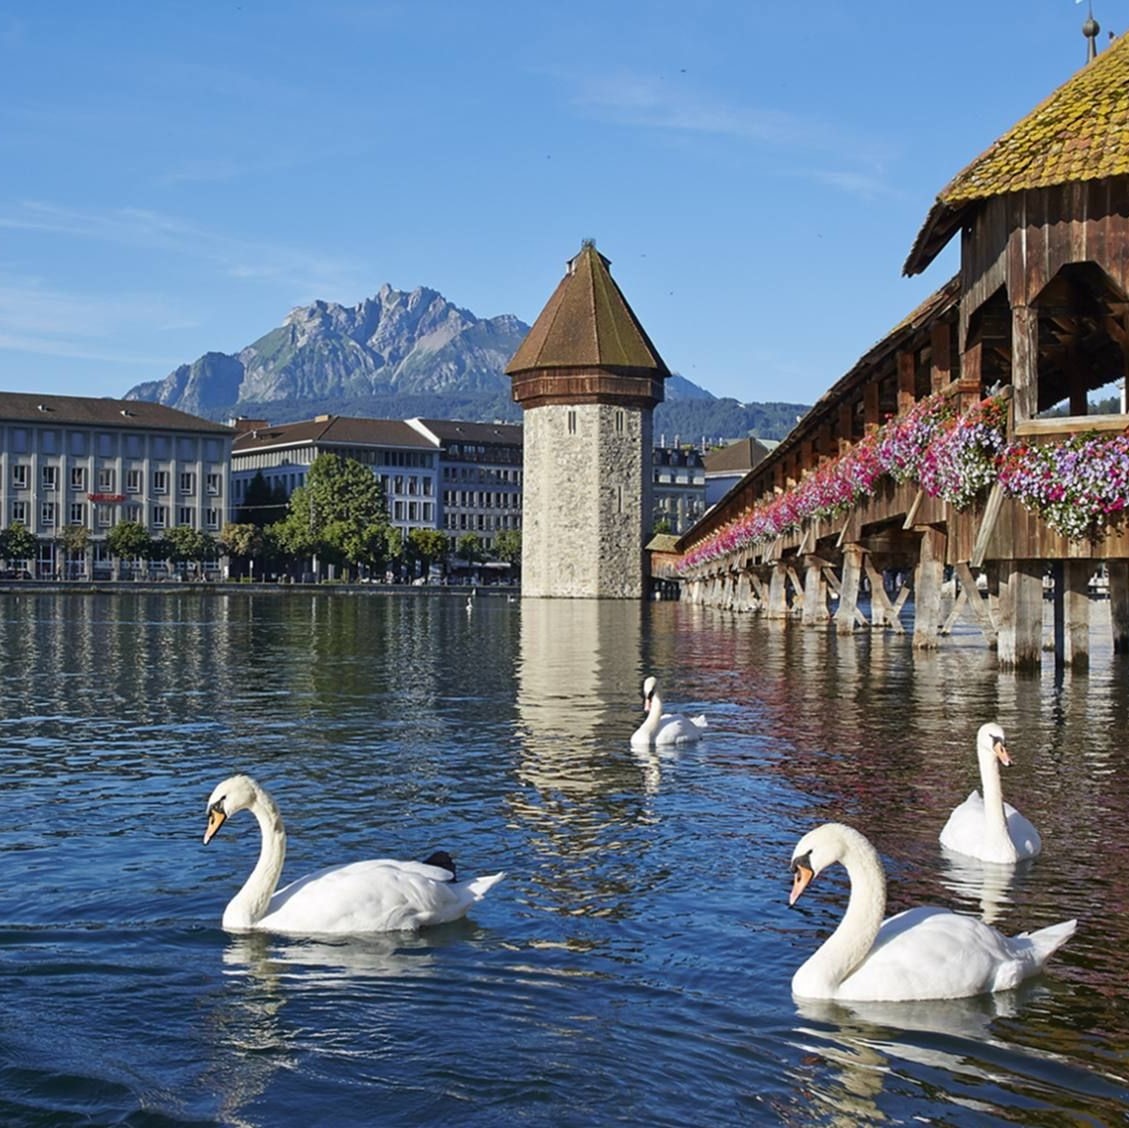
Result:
1079,133
587,323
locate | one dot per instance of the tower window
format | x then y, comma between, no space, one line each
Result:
572,422
619,422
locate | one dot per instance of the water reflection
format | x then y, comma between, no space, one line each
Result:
989,885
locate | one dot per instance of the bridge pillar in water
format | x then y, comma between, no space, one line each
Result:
1072,613
778,592
1119,604
1020,644
847,611
927,580
815,592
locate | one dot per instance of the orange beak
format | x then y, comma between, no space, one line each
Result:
1002,755
216,819
801,879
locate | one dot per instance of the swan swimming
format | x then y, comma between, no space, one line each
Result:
922,953
664,728
984,826
380,895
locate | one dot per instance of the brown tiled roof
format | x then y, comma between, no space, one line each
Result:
1080,132
336,430
587,323
88,411
739,456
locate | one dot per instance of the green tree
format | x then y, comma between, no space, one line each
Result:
73,541
263,504
242,542
339,514
185,544
429,546
129,540
507,546
18,543
469,547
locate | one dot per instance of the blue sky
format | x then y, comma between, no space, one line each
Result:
176,176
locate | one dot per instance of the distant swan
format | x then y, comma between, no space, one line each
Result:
371,896
664,728
986,827
923,953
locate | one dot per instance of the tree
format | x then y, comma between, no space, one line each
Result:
469,547
263,504
17,542
185,543
339,513
507,546
429,545
73,540
241,541
129,540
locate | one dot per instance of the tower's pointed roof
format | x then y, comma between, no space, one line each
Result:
1080,132
587,323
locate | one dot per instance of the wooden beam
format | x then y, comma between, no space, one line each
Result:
907,380
1021,614
1025,361
980,607
1119,604
940,349
987,524
928,576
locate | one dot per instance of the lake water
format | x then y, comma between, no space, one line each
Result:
634,965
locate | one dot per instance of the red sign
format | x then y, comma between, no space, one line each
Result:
106,497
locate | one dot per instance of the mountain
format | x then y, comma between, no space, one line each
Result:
397,355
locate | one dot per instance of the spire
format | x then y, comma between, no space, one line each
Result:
1090,29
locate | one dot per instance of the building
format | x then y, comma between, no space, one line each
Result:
404,459
726,466
74,461
479,476
587,378
679,488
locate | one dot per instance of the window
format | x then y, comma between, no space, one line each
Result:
160,516
47,513
619,421
212,518
133,513
212,483
133,481
398,511
19,476
107,479
78,477
78,513
572,422
186,515
160,481
19,512
50,477
187,482
104,515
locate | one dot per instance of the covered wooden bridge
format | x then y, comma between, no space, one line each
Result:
935,455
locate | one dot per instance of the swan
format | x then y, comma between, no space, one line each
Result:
922,953
664,728
372,896
986,827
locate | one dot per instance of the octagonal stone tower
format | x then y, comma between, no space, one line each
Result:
587,378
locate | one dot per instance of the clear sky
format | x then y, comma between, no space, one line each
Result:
176,176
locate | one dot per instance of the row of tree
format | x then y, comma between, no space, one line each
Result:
338,517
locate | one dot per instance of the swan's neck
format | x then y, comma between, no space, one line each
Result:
995,821
249,905
846,948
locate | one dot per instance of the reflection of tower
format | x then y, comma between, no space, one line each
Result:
587,378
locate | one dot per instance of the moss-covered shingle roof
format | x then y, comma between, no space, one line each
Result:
587,323
1080,132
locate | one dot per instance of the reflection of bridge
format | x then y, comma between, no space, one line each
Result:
904,468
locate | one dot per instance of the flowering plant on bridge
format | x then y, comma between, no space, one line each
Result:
1078,487
905,439
963,458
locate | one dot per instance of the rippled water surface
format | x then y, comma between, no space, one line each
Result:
634,965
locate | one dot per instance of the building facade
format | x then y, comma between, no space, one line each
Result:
78,462
587,378
679,488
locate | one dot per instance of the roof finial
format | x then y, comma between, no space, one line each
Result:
1091,29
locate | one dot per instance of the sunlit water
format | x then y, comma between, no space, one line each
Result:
634,965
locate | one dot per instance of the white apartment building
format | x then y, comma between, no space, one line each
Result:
74,460
679,493
403,459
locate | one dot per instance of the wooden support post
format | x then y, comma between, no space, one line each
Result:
760,593
928,577
1021,614
848,610
1119,604
797,590
883,613
815,592
959,604
846,426
979,606
941,349
907,380
871,406
1025,362
778,593
1076,608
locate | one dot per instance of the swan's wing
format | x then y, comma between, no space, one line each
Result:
1022,832
964,829
677,729
381,895
931,953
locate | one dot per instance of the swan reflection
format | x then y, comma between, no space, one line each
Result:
987,884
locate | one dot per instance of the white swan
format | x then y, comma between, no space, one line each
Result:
923,953
986,827
371,896
664,728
